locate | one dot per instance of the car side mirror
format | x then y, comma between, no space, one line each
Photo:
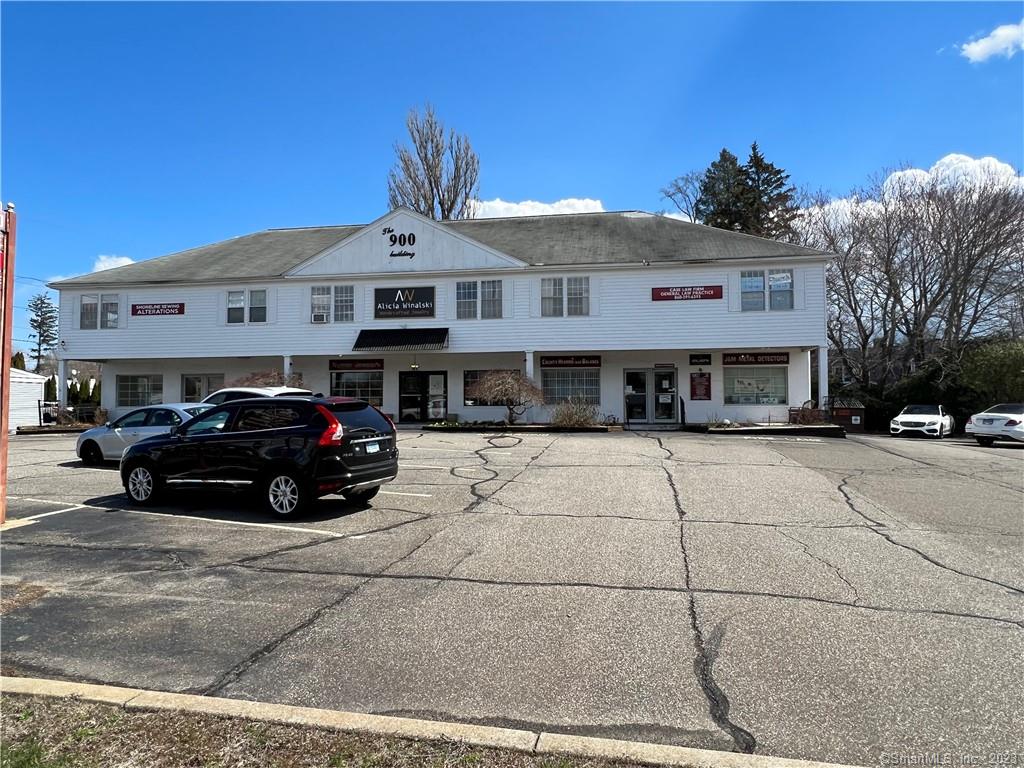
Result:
173,431
106,424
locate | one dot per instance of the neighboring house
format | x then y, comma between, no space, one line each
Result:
630,311
26,392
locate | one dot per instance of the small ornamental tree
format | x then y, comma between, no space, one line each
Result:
512,389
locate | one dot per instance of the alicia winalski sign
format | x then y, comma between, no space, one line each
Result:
403,302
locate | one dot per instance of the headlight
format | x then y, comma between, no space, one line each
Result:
894,423
933,423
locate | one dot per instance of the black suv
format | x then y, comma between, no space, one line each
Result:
290,449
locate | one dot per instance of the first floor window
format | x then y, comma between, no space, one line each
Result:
469,380
363,385
551,297
108,310
236,306
780,288
577,292
465,300
258,306
752,291
756,385
559,384
344,304
490,299
88,317
196,386
136,390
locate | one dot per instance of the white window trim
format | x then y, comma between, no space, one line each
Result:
330,301
766,291
565,295
478,309
269,298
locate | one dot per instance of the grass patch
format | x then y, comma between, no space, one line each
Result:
38,732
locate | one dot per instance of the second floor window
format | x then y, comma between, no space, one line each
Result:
465,300
89,314
258,306
108,310
778,287
478,300
577,290
335,302
236,306
551,297
490,299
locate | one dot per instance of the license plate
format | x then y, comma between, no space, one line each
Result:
373,447
986,421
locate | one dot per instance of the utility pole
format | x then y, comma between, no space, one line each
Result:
8,227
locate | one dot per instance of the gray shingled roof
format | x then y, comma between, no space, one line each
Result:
567,239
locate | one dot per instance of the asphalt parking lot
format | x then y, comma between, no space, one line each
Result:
843,600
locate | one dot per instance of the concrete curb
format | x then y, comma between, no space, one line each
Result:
401,727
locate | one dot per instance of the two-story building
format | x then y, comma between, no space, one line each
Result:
651,319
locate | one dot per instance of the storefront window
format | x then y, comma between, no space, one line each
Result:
363,385
560,384
133,391
469,380
760,385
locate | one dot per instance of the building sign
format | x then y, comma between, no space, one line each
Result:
399,244
146,310
357,364
700,386
403,302
571,361
780,281
701,359
755,358
686,293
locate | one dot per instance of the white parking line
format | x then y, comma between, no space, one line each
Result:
419,466
401,493
456,450
56,512
291,528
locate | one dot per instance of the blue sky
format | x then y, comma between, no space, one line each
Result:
141,129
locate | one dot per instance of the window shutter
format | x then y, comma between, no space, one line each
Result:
507,302
76,308
450,300
595,296
222,307
271,305
799,293
734,292
535,297
357,308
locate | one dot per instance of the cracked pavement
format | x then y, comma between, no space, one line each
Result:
822,599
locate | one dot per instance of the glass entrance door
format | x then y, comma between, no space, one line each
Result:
666,399
422,395
636,396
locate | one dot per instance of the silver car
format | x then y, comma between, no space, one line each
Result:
108,442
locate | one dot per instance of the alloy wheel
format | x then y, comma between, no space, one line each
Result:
284,494
140,483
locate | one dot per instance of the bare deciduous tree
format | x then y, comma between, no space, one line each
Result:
509,388
684,191
438,175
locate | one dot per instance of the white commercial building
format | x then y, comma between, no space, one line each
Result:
642,315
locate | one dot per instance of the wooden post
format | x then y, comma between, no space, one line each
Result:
9,219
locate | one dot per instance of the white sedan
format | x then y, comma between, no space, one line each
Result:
931,420
108,442
1004,421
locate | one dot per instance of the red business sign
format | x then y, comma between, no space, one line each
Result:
700,386
755,358
356,364
143,310
686,293
571,361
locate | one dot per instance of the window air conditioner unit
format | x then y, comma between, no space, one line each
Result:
319,317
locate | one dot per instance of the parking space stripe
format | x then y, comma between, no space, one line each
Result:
273,526
419,466
56,512
402,493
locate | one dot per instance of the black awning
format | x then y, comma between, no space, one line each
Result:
401,340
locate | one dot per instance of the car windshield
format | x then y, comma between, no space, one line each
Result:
1017,409
921,410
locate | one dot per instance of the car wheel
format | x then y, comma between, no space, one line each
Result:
91,453
942,431
361,497
142,484
284,495
985,441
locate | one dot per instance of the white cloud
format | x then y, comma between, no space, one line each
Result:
492,209
109,262
958,169
1004,40
677,215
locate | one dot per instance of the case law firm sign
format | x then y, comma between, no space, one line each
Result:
403,302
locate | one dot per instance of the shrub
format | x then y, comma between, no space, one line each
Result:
574,412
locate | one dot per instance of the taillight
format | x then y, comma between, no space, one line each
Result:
334,432
1012,423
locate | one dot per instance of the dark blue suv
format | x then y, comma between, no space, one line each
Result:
291,450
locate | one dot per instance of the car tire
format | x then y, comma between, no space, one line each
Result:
361,497
985,441
942,431
142,484
285,495
91,453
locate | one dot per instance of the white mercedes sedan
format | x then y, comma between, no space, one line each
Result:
1004,421
930,420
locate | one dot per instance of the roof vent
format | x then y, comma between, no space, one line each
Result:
637,215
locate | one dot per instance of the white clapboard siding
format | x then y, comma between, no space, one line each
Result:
26,392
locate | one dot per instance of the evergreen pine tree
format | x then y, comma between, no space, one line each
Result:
74,393
18,361
97,393
43,322
722,200
769,203
50,390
